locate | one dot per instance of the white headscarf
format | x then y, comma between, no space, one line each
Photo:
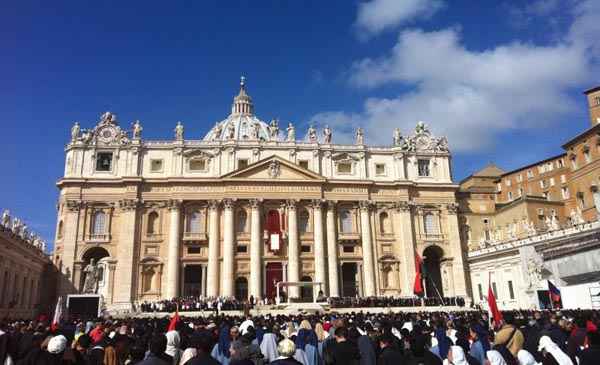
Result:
525,358
495,358
458,356
57,344
547,344
172,343
188,354
268,347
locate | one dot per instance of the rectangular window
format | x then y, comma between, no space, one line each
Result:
530,174
511,291
193,250
563,179
560,163
565,192
581,200
379,169
305,248
508,182
552,181
242,163
242,249
344,168
104,161
519,178
597,98
156,165
480,290
423,166
499,187
587,156
348,249
198,165
303,164
430,224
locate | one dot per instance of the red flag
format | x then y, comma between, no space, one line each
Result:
174,320
418,286
495,313
57,315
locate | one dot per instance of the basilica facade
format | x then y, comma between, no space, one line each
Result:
253,204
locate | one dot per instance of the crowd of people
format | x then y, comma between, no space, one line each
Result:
428,338
189,304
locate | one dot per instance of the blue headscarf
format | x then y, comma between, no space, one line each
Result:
443,342
260,332
482,336
306,337
224,341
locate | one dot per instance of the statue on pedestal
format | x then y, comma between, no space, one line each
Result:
137,130
256,131
179,132
534,271
90,284
360,136
312,134
397,137
6,219
291,133
75,132
274,129
217,132
231,131
328,134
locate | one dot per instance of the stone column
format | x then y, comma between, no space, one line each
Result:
332,251
319,243
172,282
71,224
228,249
367,248
124,293
458,269
212,272
112,267
293,267
203,283
255,250
405,246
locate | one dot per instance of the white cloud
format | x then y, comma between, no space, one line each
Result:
471,96
377,15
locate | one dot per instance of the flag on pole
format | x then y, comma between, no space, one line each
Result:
174,320
555,298
57,315
494,312
418,286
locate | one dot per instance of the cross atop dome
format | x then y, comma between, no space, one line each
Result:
242,103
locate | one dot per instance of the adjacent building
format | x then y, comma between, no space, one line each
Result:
250,205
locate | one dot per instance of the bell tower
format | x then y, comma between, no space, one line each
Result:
593,98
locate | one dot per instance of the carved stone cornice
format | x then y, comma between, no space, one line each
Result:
129,204
365,205
403,206
174,204
228,203
155,204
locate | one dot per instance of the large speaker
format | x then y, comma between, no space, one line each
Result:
83,306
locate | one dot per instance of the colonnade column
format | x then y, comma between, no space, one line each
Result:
332,251
228,249
172,284
458,270
293,267
212,272
367,248
403,229
126,264
319,243
255,250
204,281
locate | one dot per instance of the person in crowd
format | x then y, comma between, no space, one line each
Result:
419,352
268,346
509,335
156,355
591,355
202,342
172,350
221,349
481,343
286,350
552,354
389,354
526,358
495,358
239,354
344,352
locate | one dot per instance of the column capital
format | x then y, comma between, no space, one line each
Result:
174,204
291,204
213,204
129,204
74,205
316,203
452,208
255,203
229,203
365,205
331,205
403,206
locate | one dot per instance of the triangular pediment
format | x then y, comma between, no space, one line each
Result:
274,168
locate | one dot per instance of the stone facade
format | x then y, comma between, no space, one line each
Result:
250,205
24,271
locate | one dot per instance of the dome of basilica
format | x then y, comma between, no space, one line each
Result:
242,124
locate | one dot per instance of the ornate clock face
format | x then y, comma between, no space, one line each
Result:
107,134
422,142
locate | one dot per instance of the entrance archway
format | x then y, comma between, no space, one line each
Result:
274,274
97,254
432,273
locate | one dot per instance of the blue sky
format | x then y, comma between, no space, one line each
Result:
502,79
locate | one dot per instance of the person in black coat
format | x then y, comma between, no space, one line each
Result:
389,354
344,352
420,353
203,344
591,355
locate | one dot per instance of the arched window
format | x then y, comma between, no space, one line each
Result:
99,223
387,277
242,220
194,222
303,219
59,231
153,221
430,224
346,221
148,279
384,223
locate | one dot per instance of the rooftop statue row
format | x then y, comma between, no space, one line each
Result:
20,230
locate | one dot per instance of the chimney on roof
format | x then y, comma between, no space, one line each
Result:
593,97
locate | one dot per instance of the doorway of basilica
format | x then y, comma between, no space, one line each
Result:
192,280
273,275
349,280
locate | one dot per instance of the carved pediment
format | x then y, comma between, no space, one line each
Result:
274,168
345,156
